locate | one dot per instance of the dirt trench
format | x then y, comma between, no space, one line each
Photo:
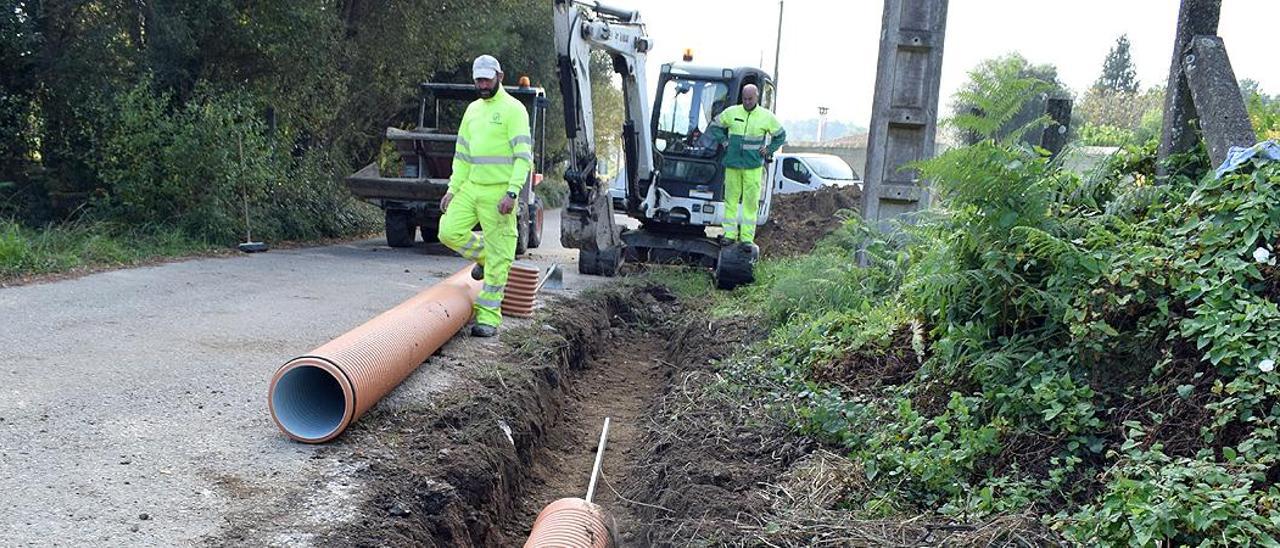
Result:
474,467
692,459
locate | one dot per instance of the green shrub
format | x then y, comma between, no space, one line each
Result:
58,248
1099,352
1152,497
1105,136
553,191
197,167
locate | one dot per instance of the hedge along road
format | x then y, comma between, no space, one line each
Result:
133,402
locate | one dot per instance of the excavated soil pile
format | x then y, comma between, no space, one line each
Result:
797,221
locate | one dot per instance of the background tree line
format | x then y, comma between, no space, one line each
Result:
170,113
1115,111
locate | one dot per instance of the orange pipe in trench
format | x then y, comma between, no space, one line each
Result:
573,523
314,397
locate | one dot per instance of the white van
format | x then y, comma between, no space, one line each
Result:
791,172
805,172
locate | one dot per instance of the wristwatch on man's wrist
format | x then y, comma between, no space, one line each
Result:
511,195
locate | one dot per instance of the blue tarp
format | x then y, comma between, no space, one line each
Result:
1238,156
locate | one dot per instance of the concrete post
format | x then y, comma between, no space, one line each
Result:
822,123
1054,136
1220,109
1196,17
905,109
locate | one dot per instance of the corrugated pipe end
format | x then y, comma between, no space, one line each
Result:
521,295
311,400
573,523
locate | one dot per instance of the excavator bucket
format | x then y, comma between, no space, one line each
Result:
590,227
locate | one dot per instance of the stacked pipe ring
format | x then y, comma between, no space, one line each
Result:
573,523
521,294
313,398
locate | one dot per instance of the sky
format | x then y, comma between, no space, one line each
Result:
829,47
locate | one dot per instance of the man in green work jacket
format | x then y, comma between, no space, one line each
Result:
753,134
490,164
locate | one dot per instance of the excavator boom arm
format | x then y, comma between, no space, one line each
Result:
580,28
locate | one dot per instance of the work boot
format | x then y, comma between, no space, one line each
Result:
482,330
477,272
745,247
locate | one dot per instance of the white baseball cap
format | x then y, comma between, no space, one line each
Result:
485,66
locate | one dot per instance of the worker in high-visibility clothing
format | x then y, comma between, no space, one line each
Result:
753,135
490,164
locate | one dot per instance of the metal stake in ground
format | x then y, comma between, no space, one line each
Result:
249,246
595,468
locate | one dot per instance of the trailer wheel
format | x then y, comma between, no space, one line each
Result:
535,225
522,234
400,229
430,233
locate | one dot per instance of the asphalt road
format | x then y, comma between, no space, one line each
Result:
133,402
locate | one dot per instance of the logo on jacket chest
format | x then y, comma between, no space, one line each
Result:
495,118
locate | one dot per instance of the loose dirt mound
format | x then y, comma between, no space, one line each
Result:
797,221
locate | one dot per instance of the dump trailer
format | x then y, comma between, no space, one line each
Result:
411,199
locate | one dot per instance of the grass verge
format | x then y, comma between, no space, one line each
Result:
27,253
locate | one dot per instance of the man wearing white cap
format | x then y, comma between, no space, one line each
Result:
491,162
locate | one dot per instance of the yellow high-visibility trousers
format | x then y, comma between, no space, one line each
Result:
741,186
494,248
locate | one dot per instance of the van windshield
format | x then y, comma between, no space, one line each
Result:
831,168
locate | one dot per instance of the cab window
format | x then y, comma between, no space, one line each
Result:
795,170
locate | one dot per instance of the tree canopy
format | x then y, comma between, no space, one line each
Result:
115,107
1118,71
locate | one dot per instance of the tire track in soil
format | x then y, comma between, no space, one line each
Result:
620,384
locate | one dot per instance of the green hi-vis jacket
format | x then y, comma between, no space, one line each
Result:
746,132
494,147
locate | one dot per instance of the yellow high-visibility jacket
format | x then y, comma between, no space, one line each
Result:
745,132
494,147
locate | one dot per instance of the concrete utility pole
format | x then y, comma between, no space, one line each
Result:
822,123
1195,17
1220,109
777,52
1202,87
904,113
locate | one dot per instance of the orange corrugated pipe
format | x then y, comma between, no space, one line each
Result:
572,523
314,397
521,294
